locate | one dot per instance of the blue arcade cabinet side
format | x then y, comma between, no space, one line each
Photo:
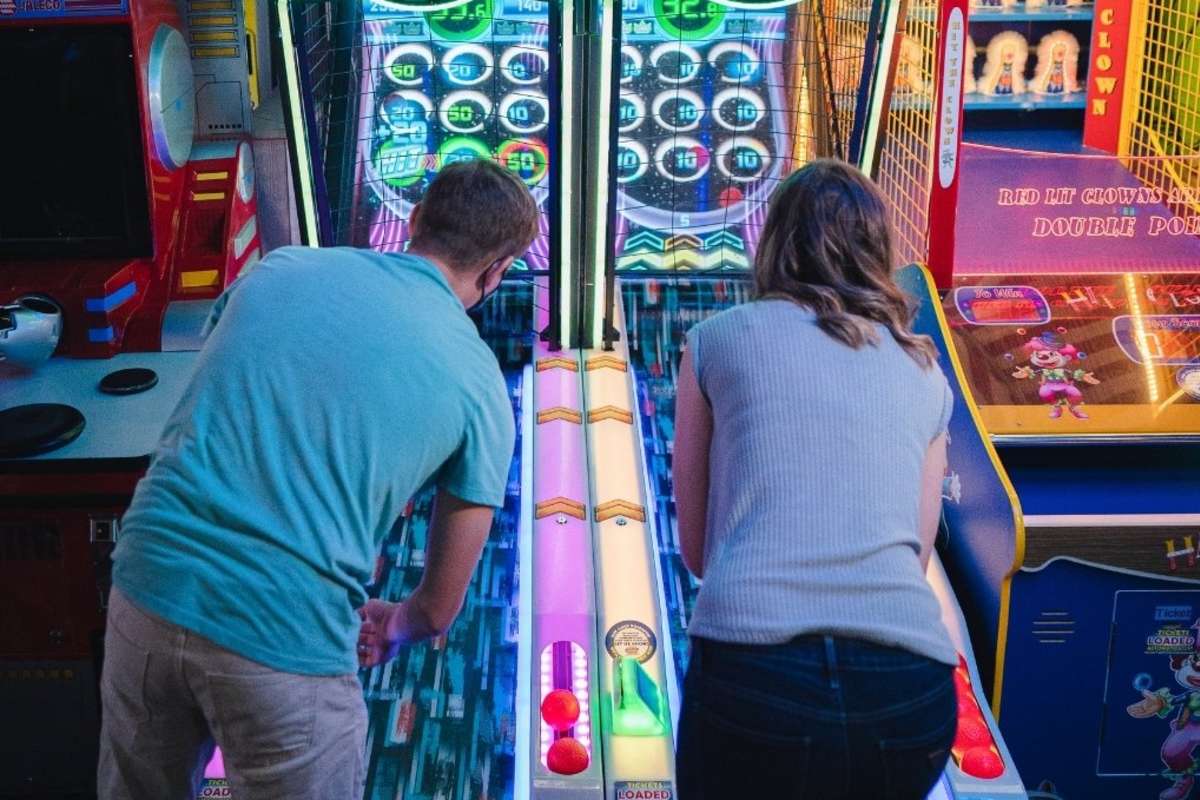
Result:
1085,611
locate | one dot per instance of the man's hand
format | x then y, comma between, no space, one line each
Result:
457,534
377,639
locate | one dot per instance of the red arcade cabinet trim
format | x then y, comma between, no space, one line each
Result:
953,16
1107,63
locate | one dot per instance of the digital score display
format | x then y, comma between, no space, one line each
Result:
705,109
461,22
1002,305
465,81
689,19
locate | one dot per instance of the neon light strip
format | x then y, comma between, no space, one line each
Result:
877,114
564,665
1139,329
524,691
304,192
600,239
566,160
102,305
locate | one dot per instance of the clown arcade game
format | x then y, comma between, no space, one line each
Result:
652,133
1062,225
129,203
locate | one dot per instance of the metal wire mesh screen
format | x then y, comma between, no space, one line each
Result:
314,26
394,95
1164,133
906,156
717,105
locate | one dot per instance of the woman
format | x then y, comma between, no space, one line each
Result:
809,456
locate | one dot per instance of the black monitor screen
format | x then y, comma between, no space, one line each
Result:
72,170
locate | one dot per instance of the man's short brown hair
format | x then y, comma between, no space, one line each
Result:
476,212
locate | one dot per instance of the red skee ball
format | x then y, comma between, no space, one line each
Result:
567,757
972,732
982,762
560,709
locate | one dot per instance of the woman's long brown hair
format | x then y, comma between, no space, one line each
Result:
827,245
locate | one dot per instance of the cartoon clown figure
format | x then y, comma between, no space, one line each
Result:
1048,357
1179,748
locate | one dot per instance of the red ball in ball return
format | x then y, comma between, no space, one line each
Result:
567,757
972,732
560,709
982,762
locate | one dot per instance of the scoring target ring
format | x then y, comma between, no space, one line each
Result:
390,67
738,96
726,149
640,160
685,51
516,52
522,156
506,107
685,95
406,99
631,63
452,69
632,119
686,143
751,58
452,118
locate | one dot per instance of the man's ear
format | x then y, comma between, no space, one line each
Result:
503,264
414,221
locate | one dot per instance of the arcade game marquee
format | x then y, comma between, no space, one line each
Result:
1070,264
128,204
652,133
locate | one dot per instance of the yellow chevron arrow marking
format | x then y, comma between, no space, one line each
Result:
557,362
606,361
561,505
610,412
620,508
559,412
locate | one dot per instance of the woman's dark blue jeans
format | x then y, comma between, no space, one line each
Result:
820,717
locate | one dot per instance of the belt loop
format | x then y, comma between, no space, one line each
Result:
831,662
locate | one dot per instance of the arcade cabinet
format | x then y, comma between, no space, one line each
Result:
1068,263
124,214
652,133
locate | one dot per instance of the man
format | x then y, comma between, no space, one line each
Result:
333,385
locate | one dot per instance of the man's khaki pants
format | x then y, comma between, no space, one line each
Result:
169,695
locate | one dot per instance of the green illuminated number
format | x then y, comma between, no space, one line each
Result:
689,19
461,113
